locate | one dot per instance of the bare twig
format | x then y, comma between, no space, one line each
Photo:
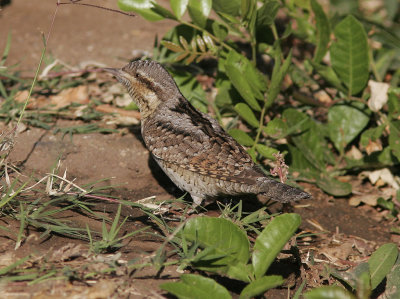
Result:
77,2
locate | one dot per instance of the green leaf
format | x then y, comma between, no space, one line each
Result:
247,114
196,287
278,73
199,11
323,31
309,138
276,128
219,30
179,7
221,238
392,289
248,8
328,74
271,240
344,124
300,164
231,7
142,7
381,262
162,11
266,151
331,292
245,78
259,286
241,137
394,138
333,187
349,54
267,12
393,105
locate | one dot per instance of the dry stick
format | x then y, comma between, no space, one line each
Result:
97,6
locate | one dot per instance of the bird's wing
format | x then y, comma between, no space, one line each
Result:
193,140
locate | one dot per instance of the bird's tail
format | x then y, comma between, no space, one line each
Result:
281,192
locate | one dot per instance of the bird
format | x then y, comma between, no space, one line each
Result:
190,146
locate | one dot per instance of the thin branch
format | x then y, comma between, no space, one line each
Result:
76,2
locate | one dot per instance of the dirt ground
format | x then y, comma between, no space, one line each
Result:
82,35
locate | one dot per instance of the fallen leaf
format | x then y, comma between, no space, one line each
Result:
71,95
123,101
379,95
354,153
383,176
369,199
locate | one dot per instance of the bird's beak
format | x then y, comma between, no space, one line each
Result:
116,72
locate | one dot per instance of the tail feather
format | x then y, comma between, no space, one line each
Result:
281,192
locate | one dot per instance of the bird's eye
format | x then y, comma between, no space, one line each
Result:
137,75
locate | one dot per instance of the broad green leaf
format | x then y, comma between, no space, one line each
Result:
309,138
323,31
350,279
300,164
328,74
266,151
278,73
223,239
162,11
199,11
142,7
332,186
242,137
392,290
349,54
271,241
276,128
381,262
247,114
194,286
385,58
394,138
219,30
231,7
394,105
179,7
330,292
345,123
246,79
267,12
259,286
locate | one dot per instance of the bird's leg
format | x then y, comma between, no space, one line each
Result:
197,200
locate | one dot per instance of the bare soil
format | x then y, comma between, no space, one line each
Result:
85,34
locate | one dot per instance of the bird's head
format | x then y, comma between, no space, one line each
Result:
147,82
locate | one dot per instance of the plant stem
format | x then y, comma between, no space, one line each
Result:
216,39
45,41
260,124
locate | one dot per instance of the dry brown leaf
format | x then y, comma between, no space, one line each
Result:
354,153
369,199
68,252
373,146
21,96
34,103
71,95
